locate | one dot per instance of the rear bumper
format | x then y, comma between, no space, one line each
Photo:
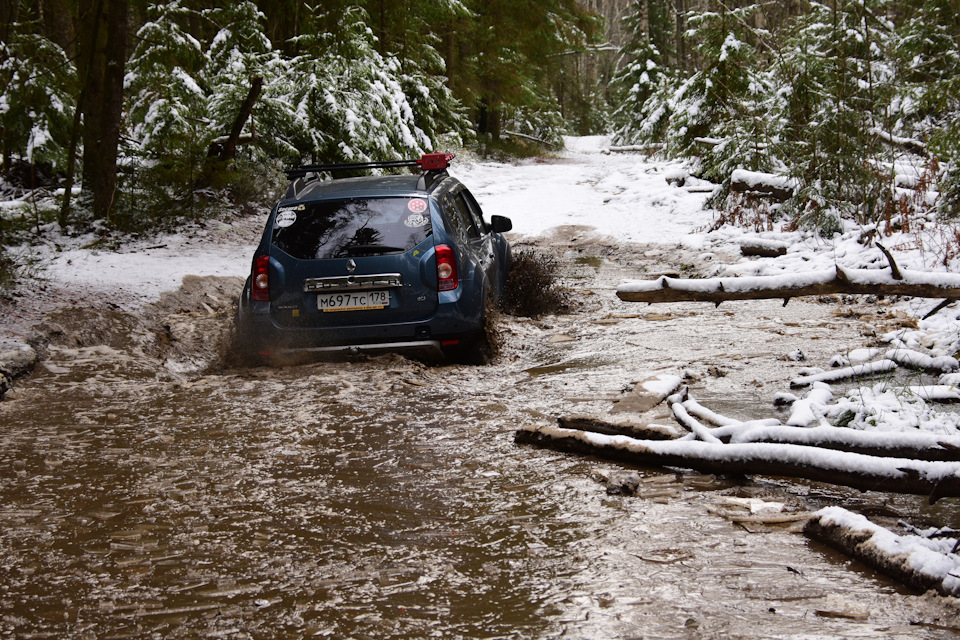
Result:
424,348
447,329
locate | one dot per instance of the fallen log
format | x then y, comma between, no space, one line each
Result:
856,371
914,561
866,473
761,184
633,430
910,445
920,284
763,248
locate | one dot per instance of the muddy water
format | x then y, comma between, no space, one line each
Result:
386,499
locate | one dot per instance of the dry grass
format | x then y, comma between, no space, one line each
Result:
533,289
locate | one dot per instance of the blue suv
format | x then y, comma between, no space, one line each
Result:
372,264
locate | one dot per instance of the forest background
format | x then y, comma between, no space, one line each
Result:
128,115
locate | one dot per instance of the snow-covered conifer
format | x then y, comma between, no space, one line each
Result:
166,105
37,88
717,114
348,99
837,87
642,85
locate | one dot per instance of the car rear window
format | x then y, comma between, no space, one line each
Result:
351,228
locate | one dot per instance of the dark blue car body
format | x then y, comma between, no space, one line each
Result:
377,263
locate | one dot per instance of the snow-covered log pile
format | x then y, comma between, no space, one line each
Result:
924,560
901,462
922,284
936,479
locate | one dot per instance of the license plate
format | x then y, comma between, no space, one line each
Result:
353,301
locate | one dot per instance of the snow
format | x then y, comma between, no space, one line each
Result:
140,272
622,196
662,385
787,454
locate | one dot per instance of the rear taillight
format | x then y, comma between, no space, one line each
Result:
446,268
260,289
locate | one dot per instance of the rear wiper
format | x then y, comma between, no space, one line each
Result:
366,249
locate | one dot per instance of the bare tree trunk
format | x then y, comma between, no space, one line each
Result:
90,13
101,104
854,281
229,148
681,8
932,479
90,62
106,116
858,543
58,24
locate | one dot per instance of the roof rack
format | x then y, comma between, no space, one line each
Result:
427,162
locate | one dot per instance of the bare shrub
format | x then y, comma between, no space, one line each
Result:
743,210
532,288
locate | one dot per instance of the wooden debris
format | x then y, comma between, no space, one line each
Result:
910,445
859,543
856,371
634,430
764,185
820,283
763,248
647,394
867,473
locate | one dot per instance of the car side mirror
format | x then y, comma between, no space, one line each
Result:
500,224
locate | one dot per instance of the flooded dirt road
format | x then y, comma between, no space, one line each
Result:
383,498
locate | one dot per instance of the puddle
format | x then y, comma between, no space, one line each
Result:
568,366
590,261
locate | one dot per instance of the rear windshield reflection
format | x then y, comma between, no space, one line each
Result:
351,228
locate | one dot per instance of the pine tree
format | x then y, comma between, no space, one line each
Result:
835,64
645,74
37,88
167,106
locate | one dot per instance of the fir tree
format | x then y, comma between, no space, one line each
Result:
350,104
37,88
645,74
166,105
928,97
840,86
407,30
720,105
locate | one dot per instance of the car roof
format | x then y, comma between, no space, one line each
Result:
361,187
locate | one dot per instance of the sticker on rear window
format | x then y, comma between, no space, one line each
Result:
415,220
285,218
417,206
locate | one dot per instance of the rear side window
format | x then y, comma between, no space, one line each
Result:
459,216
351,228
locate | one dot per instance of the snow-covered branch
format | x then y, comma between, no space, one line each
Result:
921,284
935,479
920,562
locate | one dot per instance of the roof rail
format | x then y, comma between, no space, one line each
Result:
427,162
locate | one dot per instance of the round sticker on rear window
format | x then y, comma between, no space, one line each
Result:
285,218
415,220
417,205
